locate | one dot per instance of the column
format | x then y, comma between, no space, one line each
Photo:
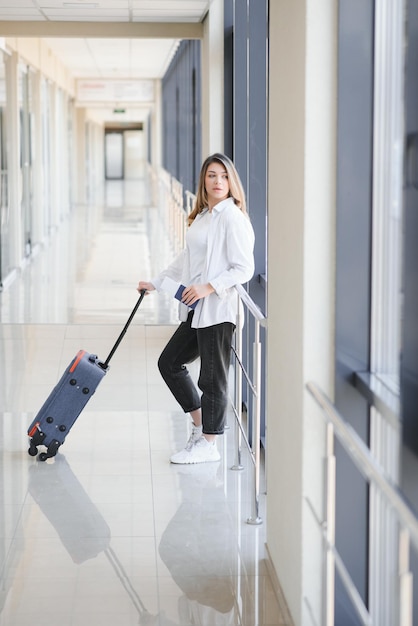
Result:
301,242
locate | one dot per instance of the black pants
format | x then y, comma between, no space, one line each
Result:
213,346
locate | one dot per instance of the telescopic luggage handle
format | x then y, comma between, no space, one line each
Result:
125,328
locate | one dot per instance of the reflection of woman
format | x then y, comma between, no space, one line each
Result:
218,256
198,548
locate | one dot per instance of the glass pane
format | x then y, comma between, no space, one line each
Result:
387,195
5,265
114,155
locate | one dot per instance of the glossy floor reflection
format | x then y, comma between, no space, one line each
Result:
109,532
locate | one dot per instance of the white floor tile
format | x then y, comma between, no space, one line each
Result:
109,532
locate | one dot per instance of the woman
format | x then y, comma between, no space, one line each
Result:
218,255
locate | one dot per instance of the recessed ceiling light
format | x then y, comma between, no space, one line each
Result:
79,5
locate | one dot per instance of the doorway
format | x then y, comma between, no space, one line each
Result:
114,157
125,152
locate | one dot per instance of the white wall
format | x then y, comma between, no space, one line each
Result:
302,139
36,53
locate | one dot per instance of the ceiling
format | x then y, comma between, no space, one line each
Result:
102,57
114,58
104,10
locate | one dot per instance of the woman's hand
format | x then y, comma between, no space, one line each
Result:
144,285
193,293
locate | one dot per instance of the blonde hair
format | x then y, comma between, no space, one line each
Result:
236,190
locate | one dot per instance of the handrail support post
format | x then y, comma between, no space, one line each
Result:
255,518
238,394
330,527
405,580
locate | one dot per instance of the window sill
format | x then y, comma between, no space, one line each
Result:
381,394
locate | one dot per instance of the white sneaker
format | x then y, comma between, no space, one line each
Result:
202,451
195,435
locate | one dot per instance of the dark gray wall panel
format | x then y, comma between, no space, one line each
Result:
248,93
409,363
228,77
257,140
240,86
181,94
246,128
409,357
353,253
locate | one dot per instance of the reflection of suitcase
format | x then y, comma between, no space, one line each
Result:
81,527
68,398
60,495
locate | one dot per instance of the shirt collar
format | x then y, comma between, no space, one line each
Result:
222,205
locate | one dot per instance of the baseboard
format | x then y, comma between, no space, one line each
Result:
278,590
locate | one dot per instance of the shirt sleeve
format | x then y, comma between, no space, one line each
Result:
238,247
173,271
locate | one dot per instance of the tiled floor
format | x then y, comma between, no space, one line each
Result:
109,532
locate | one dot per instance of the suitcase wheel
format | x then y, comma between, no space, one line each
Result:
51,451
36,440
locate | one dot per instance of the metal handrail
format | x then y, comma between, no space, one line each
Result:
373,472
251,305
255,387
365,462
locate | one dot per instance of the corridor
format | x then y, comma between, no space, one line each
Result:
109,532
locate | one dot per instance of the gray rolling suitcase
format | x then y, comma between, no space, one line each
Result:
64,404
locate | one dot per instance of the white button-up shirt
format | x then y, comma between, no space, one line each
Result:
229,261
